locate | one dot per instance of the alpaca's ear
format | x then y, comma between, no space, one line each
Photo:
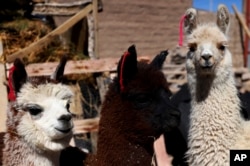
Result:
58,74
127,67
191,20
223,18
19,75
159,59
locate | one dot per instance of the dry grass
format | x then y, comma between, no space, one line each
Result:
21,32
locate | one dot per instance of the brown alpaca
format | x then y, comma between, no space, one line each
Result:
39,123
136,111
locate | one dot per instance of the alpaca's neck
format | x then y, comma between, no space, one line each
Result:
214,120
19,152
114,148
214,93
215,103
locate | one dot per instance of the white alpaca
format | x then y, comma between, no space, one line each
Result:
39,123
216,125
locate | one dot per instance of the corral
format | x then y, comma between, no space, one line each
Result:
153,27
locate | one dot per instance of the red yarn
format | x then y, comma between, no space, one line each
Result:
181,30
11,95
121,71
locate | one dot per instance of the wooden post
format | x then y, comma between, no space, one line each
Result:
3,92
95,13
103,84
4,100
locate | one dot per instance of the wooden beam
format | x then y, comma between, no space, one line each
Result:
44,41
241,19
92,66
76,67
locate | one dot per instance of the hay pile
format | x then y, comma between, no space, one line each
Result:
21,32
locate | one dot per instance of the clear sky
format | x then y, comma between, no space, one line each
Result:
211,5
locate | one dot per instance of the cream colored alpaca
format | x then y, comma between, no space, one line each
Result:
216,125
39,123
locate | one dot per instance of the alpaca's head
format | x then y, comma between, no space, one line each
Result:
208,42
140,97
40,115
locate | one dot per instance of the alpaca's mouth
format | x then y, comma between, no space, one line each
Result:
63,130
207,69
207,65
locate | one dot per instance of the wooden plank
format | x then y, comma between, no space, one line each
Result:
245,76
76,67
171,72
4,100
59,8
89,66
242,22
240,70
177,81
44,41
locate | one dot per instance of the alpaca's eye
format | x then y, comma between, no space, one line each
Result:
34,109
192,47
68,106
221,47
141,101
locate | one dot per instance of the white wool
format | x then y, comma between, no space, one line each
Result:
30,93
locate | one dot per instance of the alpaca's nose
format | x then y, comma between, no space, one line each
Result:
206,56
67,117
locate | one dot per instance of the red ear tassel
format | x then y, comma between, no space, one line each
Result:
11,95
181,30
125,55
